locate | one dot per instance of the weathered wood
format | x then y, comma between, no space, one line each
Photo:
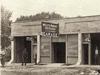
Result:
19,29
89,24
45,50
72,49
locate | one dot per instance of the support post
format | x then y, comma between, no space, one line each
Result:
38,48
51,59
12,52
66,51
79,48
0,45
0,31
32,51
89,53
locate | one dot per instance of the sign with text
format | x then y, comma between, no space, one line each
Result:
50,29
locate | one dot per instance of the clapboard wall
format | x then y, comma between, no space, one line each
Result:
88,24
25,28
45,55
72,48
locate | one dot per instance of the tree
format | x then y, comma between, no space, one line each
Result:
40,16
5,32
5,27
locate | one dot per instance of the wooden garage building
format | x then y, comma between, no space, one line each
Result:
78,41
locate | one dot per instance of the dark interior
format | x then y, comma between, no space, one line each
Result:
28,47
22,43
85,53
59,52
95,43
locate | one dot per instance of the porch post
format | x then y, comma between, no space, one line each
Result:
38,48
0,33
89,53
32,51
66,51
51,59
12,52
79,48
0,44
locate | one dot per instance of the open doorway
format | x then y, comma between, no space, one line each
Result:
28,47
58,52
95,48
85,53
20,44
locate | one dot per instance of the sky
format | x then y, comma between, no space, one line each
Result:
68,8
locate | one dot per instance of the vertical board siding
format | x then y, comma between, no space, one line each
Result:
45,50
72,48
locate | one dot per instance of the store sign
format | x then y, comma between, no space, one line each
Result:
50,29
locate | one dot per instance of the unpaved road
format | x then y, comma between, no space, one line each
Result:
46,70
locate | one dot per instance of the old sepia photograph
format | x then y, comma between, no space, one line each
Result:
49,37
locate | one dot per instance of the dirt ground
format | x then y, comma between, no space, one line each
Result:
49,69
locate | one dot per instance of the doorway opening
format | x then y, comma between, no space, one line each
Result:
28,47
95,48
59,53
20,44
85,53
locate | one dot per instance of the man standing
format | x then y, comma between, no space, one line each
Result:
2,58
96,56
24,57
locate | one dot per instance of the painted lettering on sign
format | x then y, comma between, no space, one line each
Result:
50,29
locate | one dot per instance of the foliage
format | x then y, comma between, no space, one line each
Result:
5,27
8,53
40,16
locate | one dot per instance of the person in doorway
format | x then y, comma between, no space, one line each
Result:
24,57
2,55
96,56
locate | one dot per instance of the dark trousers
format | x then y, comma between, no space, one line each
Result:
96,59
24,61
35,60
2,62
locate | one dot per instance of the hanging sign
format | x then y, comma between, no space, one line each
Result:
50,29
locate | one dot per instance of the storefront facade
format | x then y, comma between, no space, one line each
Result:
78,41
